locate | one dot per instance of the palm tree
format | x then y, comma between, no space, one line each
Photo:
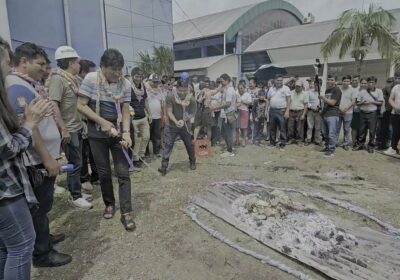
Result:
163,59
160,62
358,30
146,63
396,59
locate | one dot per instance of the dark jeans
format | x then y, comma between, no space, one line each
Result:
258,130
44,194
227,131
171,132
155,136
396,131
296,125
383,131
367,122
101,148
216,129
73,154
87,158
276,118
17,238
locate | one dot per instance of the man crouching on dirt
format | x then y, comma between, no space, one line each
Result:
181,107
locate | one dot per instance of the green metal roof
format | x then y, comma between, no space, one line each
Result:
258,10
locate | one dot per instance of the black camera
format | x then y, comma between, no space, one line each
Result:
318,63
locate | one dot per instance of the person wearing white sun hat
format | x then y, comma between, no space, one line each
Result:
63,85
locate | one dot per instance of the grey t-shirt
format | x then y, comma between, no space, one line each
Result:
365,96
178,110
347,97
229,95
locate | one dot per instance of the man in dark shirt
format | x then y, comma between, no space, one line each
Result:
140,121
330,116
181,107
383,129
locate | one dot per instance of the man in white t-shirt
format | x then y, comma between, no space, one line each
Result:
347,101
278,106
228,113
394,100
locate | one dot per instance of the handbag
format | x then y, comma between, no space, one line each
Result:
35,175
231,117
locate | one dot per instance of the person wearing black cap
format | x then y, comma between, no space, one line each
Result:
181,107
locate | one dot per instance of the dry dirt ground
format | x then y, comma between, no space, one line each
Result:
168,245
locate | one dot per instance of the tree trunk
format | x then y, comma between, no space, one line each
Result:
359,64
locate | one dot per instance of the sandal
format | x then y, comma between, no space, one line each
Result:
127,221
109,212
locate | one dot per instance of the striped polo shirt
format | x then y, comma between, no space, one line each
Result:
90,88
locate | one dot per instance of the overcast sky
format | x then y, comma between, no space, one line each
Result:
322,9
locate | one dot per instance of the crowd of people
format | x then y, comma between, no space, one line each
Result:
90,113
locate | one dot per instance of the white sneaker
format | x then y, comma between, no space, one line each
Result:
58,189
87,197
87,186
227,154
390,152
80,203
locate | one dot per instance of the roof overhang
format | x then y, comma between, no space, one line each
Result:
197,63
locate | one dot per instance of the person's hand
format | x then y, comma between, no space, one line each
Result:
106,126
302,117
180,123
126,140
52,166
286,116
36,111
113,132
66,136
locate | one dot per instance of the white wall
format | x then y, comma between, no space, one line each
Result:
4,27
228,65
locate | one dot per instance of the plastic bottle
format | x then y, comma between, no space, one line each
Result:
68,168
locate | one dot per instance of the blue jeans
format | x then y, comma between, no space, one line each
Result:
345,119
73,153
17,238
331,125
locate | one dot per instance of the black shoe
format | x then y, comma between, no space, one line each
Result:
137,164
192,166
52,259
358,148
324,150
57,238
371,150
163,171
346,148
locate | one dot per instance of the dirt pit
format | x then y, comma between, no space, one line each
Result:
168,245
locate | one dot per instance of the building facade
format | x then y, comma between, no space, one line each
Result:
215,42
89,26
